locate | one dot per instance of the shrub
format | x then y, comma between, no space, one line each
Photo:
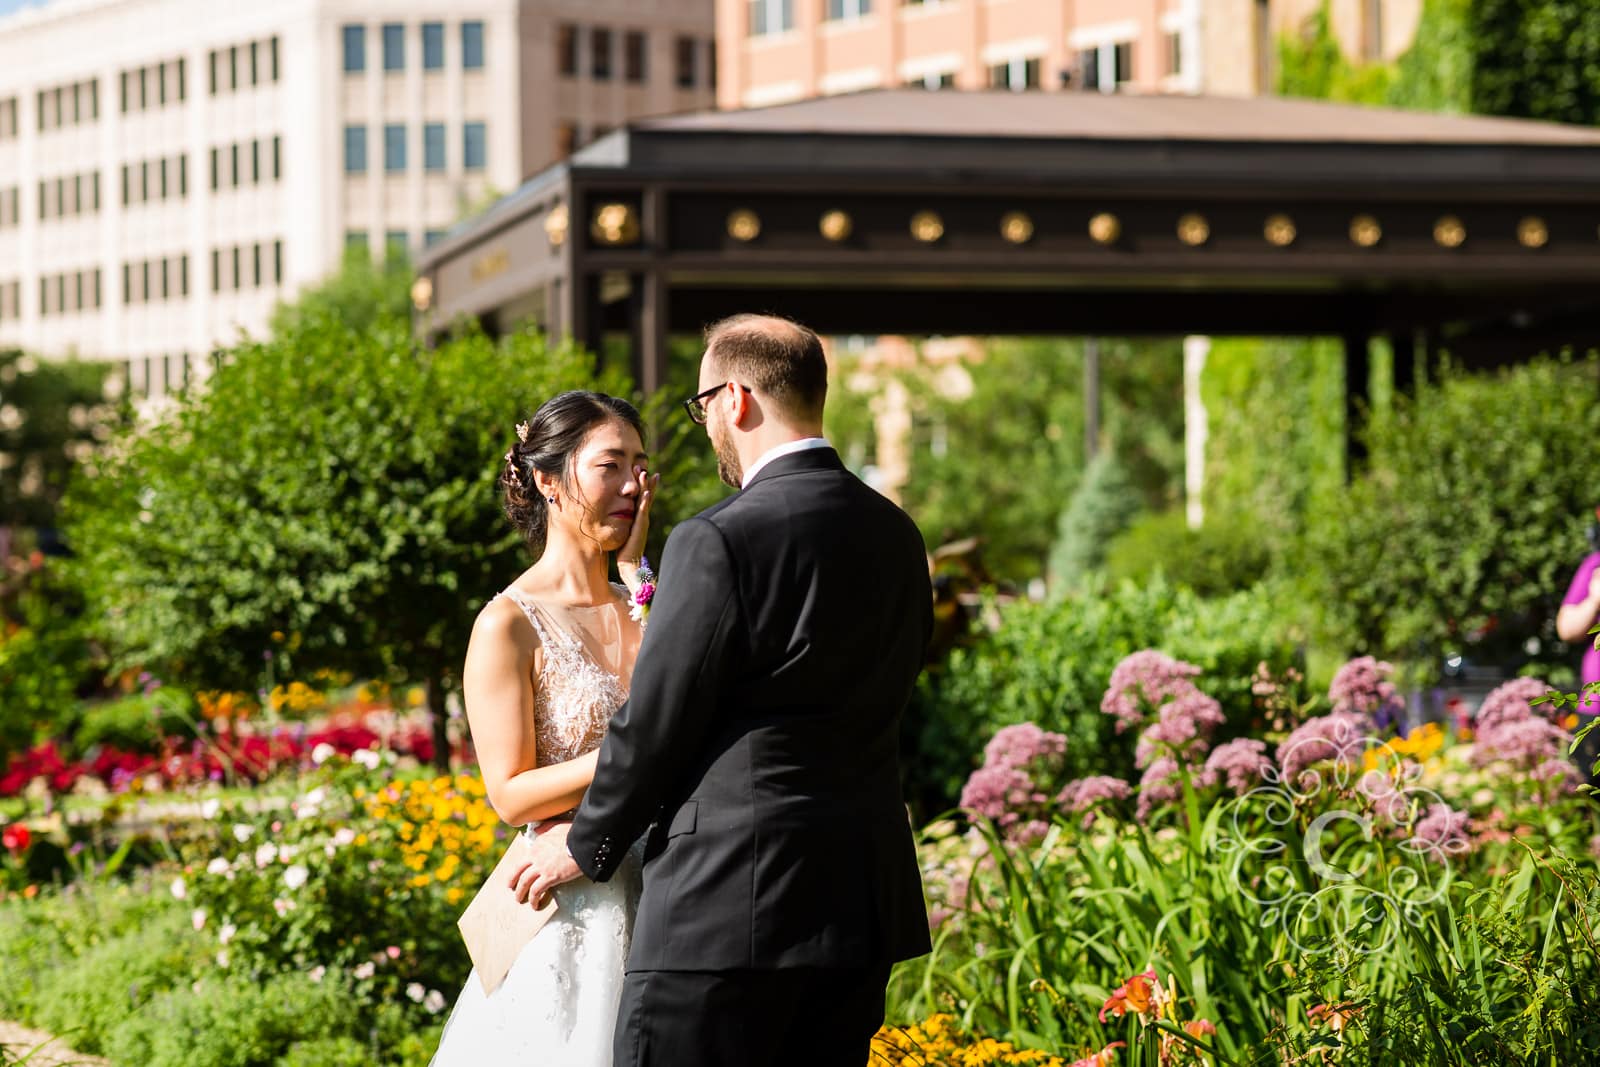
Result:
1227,553
1101,508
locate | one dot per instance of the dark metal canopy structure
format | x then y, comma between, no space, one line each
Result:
905,211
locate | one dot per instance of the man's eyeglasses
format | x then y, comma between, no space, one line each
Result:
696,405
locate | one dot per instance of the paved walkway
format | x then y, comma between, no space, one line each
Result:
18,1041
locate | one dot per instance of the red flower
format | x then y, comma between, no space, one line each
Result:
15,837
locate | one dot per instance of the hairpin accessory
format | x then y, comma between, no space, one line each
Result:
511,465
522,432
639,602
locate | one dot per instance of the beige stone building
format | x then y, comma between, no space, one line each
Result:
773,51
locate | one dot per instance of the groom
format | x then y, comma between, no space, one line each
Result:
759,746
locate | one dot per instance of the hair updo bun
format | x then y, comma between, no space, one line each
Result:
547,443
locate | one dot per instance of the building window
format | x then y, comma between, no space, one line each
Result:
355,240
255,63
633,56
472,46
233,69
600,54
433,46
432,237
567,50
216,169
394,242
474,146
686,50
1174,42
848,9
771,16
272,60
394,46
433,146
1017,74
8,119
394,148
183,87
277,262
355,53
1122,62
355,152
255,162
233,152
946,80
277,157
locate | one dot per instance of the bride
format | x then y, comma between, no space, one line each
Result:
548,663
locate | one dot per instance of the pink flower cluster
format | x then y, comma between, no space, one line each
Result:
1242,763
1362,687
1143,681
1179,738
1088,796
1340,736
1511,730
1442,830
1010,786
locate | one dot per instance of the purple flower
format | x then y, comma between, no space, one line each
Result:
1510,702
1442,829
1184,728
1142,681
1339,736
1525,742
1163,784
1018,747
1085,796
994,791
1362,686
1242,763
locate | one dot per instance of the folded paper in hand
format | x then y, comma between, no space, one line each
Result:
495,926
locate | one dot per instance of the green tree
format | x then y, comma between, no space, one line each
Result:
1102,507
335,485
53,416
361,294
1537,59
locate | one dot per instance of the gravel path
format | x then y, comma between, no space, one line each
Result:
18,1041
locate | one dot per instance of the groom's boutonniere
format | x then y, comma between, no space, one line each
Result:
639,602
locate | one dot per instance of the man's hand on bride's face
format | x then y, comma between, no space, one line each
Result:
550,865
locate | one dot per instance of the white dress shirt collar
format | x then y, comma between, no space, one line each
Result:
805,444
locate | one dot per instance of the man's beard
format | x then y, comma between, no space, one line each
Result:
729,469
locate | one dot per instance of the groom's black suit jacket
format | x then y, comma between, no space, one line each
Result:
760,741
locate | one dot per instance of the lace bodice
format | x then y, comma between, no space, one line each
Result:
588,656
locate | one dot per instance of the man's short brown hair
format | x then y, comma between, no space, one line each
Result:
779,359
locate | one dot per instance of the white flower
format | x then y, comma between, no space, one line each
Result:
295,876
434,1002
287,853
344,836
323,753
282,907
197,918
209,809
180,890
416,992
266,854
317,972
316,797
218,866
365,970
636,613
222,959
241,832
367,758
225,934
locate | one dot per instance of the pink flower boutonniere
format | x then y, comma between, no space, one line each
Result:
639,602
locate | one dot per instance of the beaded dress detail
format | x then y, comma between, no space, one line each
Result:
558,1005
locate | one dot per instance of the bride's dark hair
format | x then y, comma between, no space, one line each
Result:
547,443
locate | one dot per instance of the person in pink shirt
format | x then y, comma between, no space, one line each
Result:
1579,611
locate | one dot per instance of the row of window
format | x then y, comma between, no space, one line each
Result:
1097,68
63,294
247,163
246,266
392,35
145,88
157,375
153,281
8,118
635,56
69,105
10,300
69,196
10,207
393,240
242,65
474,147
155,179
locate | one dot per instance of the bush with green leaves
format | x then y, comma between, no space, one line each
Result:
1223,555
334,485
1050,663
138,722
1100,508
46,657
1467,525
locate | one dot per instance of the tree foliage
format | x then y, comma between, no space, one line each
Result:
54,415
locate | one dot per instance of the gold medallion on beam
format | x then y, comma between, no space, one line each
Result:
1194,230
555,226
835,225
927,226
1365,231
422,293
1105,228
1016,227
1532,232
1449,232
744,225
1279,230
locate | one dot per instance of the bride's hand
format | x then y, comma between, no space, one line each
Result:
629,555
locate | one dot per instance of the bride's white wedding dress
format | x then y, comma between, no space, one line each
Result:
558,1005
